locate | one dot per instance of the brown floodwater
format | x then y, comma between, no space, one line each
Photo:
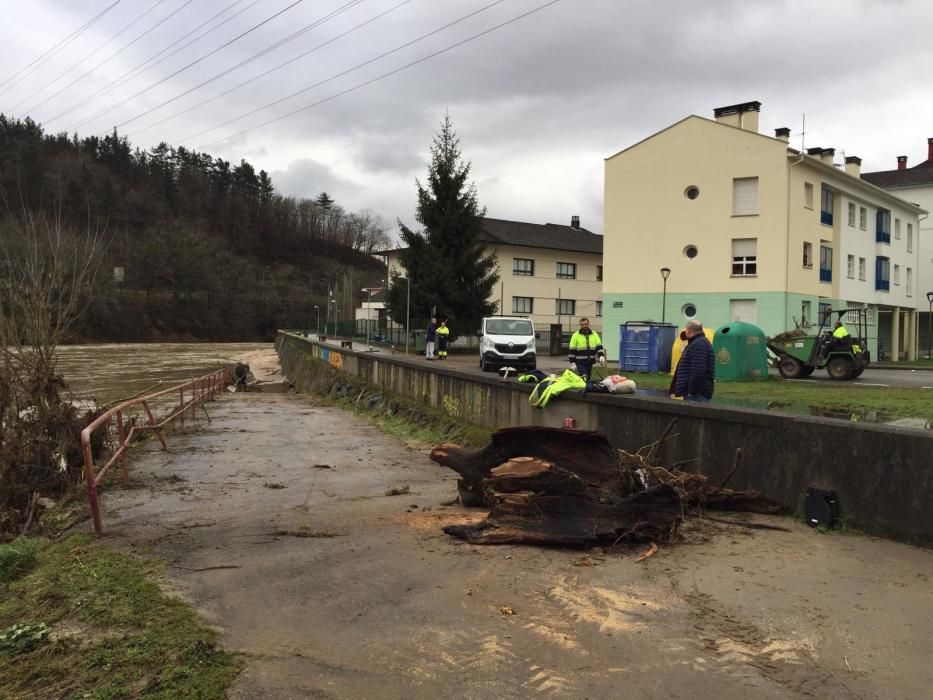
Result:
114,371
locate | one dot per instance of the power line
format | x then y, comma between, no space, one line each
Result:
136,70
49,54
71,68
377,78
272,70
349,70
196,61
291,37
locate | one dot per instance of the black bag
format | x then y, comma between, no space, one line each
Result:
820,507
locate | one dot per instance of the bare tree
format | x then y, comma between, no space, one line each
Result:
47,276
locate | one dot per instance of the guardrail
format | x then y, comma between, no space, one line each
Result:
199,390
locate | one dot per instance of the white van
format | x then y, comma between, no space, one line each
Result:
507,341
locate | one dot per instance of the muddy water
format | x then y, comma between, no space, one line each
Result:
110,372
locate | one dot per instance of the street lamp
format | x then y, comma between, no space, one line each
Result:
665,273
407,311
334,302
369,310
317,309
930,327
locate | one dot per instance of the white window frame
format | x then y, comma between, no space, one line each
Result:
910,282
745,257
863,218
807,255
852,317
850,267
862,263
808,195
897,228
852,214
910,237
745,196
896,275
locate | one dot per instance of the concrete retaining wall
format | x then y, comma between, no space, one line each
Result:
881,474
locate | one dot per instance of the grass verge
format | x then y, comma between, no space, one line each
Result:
112,632
825,398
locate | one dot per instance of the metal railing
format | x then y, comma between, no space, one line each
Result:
197,390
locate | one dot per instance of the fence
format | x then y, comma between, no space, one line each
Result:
199,390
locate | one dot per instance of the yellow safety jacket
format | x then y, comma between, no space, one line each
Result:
840,333
585,347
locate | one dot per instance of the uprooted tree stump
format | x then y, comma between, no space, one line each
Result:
552,486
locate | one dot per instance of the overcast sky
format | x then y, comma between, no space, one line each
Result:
538,104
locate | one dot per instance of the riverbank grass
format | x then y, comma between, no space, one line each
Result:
79,620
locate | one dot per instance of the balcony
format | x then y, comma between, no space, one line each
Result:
826,217
826,274
883,237
883,285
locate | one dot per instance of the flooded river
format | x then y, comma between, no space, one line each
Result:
114,371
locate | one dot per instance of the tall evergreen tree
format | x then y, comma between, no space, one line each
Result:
445,262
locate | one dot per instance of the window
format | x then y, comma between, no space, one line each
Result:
523,305
863,218
599,308
826,206
744,257
825,308
852,214
807,254
883,226
566,271
689,311
523,267
861,269
910,238
806,309
850,267
743,310
882,273
826,263
744,196
897,229
897,275
910,280
692,192
808,195
852,317
566,307
599,273
691,251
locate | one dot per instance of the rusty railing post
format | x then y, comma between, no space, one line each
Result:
91,481
155,426
122,433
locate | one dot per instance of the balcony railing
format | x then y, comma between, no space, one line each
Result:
826,217
826,274
883,237
883,285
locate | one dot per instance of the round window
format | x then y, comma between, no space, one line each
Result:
691,251
689,311
692,192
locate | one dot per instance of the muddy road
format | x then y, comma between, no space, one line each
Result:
277,523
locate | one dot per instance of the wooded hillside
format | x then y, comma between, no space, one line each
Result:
199,248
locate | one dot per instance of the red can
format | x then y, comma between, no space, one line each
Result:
570,422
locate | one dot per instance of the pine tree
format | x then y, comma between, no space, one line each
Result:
446,263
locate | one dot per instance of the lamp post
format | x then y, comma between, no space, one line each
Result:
369,311
407,310
334,302
665,273
317,310
930,327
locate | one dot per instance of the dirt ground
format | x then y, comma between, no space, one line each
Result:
276,523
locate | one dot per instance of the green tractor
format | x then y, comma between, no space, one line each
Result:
798,353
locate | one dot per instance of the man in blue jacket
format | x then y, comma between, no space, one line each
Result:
693,379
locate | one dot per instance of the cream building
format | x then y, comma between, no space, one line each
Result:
752,230
549,272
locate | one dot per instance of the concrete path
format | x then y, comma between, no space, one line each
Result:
276,523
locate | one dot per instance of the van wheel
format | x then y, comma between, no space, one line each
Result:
483,365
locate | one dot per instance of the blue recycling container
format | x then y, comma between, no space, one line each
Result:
645,346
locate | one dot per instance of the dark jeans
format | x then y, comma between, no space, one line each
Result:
584,369
697,397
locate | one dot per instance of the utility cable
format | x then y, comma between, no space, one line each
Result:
349,70
291,37
195,62
272,70
109,58
50,53
377,78
143,67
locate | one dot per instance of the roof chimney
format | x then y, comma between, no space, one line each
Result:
783,134
854,166
826,155
743,116
902,162
815,151
575,222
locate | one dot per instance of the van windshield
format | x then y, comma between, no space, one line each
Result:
504,326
